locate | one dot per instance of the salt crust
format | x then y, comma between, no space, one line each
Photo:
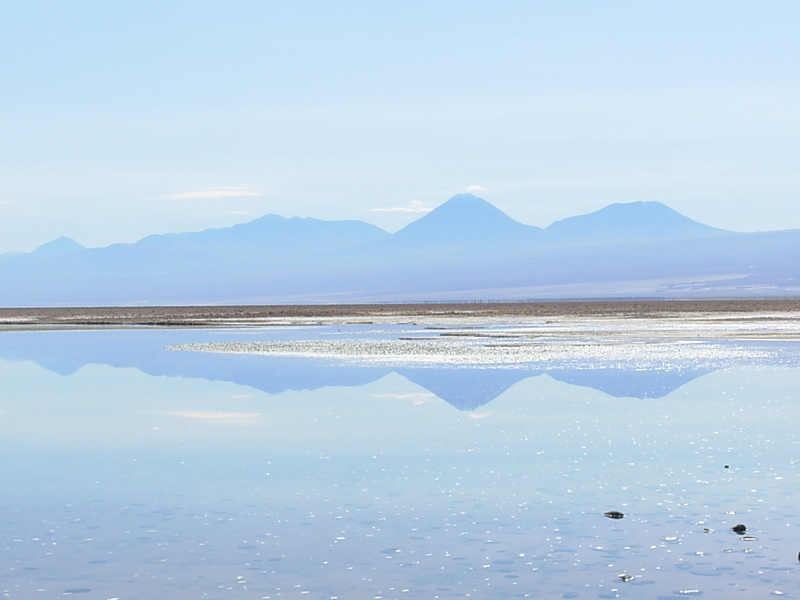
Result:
578,343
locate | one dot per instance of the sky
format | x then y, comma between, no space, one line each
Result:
122,119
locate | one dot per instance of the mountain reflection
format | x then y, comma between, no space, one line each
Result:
64,352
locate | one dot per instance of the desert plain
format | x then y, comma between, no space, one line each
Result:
656,319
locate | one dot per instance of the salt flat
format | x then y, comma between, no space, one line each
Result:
755,319
483,466
631,334
650,337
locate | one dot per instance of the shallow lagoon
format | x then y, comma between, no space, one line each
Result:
133,471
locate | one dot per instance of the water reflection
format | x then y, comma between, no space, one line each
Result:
134,472
465,388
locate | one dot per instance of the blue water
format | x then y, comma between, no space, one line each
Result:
131,471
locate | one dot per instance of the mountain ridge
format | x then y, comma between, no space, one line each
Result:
632,221
59,245
449,214
465,249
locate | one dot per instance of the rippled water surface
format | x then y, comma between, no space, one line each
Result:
135,471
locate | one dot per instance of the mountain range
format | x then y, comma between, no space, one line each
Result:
466,249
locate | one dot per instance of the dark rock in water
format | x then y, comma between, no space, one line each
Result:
740,529
614,514
727,466
798,557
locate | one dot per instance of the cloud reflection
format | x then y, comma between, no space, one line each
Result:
416,398
215,415
474,415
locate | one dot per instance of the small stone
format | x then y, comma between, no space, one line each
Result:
614,514
727,466
708,530
625,577
740,529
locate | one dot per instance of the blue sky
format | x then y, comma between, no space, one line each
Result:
121,119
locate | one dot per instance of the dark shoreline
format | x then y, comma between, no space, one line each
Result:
224,316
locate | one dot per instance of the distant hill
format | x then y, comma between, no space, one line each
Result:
466,249
632,222
58,246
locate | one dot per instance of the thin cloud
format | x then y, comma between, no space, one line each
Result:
239,212
477,188
213,194
415,206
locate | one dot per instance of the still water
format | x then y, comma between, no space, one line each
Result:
133,471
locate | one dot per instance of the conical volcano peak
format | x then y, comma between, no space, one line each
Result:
468,205
464,218
465,199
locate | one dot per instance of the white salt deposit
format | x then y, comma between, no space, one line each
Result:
578,342
619,354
